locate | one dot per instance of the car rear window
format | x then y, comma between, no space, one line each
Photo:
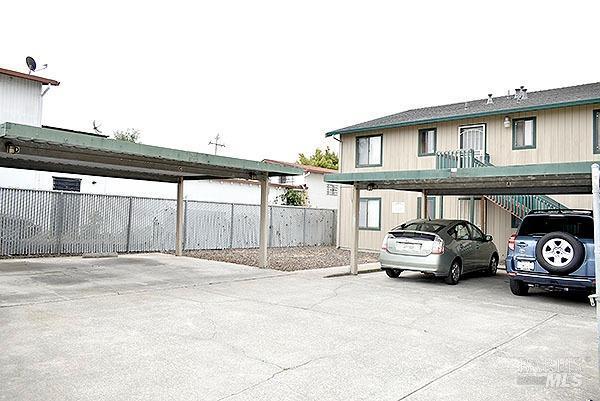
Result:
427,227
579,226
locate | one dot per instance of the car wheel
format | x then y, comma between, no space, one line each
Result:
454,274
518,287
393,273
493,266
559,253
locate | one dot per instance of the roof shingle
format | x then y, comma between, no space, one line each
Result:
551,98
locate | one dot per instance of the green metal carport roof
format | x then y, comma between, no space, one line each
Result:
51,149
550,178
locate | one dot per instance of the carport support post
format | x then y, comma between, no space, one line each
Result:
354,241
264,223
424,199
483,214
596,209
179,219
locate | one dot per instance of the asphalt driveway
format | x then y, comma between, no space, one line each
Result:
155,327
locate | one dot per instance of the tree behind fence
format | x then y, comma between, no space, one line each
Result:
45,222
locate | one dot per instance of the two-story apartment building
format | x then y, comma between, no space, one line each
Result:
525,128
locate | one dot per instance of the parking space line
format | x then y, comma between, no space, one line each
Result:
478,356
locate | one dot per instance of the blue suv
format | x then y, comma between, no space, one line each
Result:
552,249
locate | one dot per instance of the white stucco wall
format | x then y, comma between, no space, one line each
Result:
317,192
213,191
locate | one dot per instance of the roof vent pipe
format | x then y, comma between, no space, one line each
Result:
490,100
517,93
524,93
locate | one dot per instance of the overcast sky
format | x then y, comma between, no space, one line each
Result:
273,76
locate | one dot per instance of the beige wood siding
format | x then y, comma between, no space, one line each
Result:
562,135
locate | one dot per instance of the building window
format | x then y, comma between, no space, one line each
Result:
524,133
369,215
369,151
66,184
332,190
430,207
427,141
596,131
286,179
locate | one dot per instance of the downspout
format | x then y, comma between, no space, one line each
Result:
338,214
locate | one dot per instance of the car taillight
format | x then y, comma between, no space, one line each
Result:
384,246
511,242
438,246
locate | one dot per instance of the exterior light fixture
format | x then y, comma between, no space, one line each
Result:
507,122
12,149
370,187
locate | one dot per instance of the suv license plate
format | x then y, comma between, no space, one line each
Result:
525,265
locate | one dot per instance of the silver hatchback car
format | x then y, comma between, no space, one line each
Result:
444,248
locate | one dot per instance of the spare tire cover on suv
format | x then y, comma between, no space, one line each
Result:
559,253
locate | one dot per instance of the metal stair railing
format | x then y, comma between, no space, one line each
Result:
517,205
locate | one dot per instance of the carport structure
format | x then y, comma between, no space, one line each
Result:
551,178
66,151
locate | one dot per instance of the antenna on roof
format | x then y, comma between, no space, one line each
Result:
32,65
96,127
217,143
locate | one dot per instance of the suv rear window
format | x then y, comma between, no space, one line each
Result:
427,227
579,226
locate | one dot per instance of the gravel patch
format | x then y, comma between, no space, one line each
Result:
287,259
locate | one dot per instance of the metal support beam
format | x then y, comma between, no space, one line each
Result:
483,214
354,234
179,219
424,199
472,210
264,223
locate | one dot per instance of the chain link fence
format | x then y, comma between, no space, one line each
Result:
36,222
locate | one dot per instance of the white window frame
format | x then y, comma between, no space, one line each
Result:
481,125
366,218
369,163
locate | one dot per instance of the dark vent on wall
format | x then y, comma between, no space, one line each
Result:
66,184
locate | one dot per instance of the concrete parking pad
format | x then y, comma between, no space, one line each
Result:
154,327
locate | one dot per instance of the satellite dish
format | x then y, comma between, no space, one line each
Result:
31,64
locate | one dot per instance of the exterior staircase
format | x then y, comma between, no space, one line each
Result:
517,205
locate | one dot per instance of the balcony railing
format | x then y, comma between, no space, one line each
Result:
461,158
